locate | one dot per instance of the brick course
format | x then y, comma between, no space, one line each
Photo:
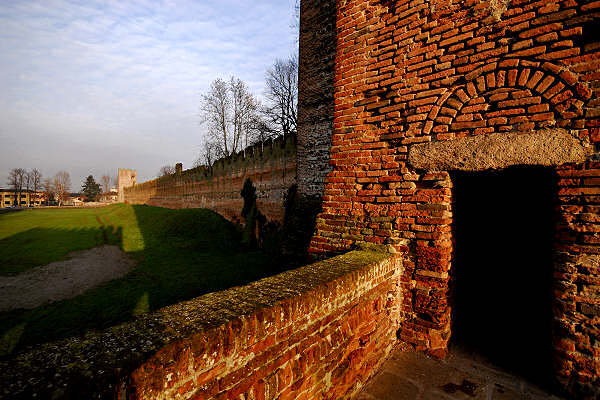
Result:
414,72
272,170
322,343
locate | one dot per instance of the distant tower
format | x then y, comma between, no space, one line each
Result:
127,178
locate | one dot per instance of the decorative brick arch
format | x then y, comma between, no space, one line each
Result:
510,95
533,113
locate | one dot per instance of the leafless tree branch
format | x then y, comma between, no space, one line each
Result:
282,96
61,185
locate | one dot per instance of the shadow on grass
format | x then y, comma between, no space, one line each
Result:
10,210
41,246
180,254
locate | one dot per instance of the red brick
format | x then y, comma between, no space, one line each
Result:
534,79
542,117
538,108
560,54
545,84
550,74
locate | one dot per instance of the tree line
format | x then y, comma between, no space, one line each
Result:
235,118
56,188
20,180
93,190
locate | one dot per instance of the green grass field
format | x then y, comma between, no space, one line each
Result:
180,254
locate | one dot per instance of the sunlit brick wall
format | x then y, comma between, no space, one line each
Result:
272,170
321,343
422,88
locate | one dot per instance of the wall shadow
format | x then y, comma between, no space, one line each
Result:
183,254
40,246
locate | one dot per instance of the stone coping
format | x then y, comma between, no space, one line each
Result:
97,362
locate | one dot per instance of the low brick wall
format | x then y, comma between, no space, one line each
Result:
271,168
315,332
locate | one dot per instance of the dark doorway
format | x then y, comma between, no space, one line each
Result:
502,287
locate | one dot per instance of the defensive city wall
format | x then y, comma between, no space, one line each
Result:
270,166
424,127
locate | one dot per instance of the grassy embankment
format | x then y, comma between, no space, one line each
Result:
180,254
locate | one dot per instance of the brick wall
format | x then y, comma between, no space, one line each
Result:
315,94
315,332
322,343
422,88
577,275
271,168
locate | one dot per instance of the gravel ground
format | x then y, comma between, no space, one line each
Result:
60,280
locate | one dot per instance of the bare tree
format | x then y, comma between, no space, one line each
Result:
27,185
227,110
166,170
215,112
261,130
48,189
282,96
105,182
36,179
253,122
245,108
208,155
16,180
61,185
239,95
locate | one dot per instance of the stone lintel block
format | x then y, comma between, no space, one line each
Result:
549,147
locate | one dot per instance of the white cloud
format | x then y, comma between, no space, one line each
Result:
96,85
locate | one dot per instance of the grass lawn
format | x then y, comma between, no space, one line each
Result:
180,254
31,238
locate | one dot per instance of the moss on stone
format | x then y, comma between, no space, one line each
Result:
90,366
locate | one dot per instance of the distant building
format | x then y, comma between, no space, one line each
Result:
29,198
110,197
127,178
75,199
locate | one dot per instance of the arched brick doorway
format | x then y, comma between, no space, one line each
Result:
525,320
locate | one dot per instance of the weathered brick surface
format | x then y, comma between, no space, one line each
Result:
318,331
414,72
272,170
321,343
315,94
577,276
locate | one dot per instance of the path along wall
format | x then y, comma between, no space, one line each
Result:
272,169
423,88
315,332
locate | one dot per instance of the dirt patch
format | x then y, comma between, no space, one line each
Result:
64,279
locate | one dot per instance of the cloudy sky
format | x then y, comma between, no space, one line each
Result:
91,86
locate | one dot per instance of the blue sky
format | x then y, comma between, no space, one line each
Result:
92,86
